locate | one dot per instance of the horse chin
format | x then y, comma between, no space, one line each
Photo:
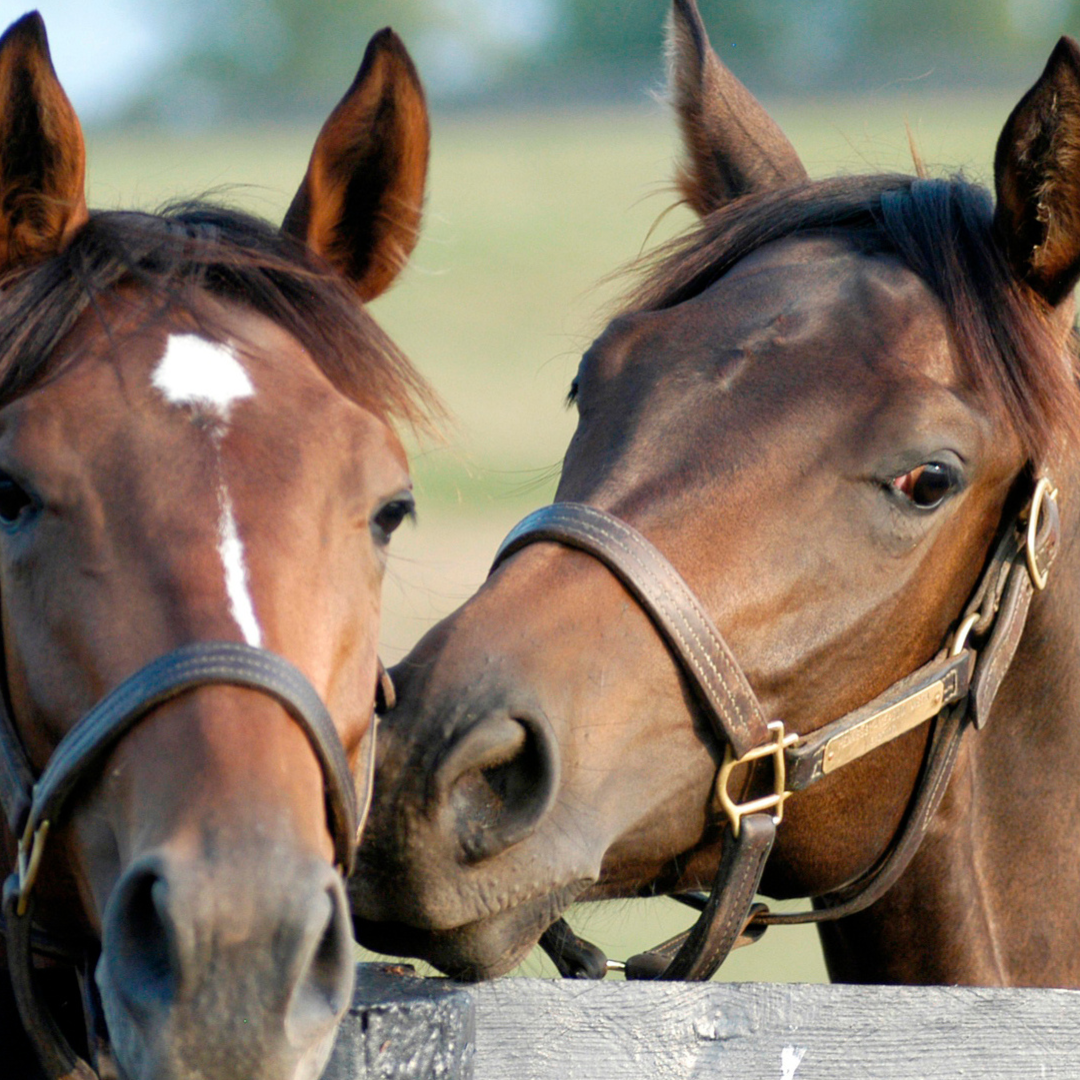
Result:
469,953
484,949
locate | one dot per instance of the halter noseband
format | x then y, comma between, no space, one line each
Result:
956,689
31,808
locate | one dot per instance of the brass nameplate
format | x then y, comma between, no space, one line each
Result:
882,727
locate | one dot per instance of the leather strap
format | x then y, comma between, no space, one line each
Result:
573,957
190,666
863,891
55,1055
702,950
732,706
16,775
999,607
903,706
941,689
31,808
1011,603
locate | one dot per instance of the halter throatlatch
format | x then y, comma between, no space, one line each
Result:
32,808
956,690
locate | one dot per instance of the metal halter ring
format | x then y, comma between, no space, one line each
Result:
737,811
962,631
1043,490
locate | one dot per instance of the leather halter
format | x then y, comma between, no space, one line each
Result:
31,808
956,690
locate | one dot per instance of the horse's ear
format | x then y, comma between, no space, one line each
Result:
42,157
360,202
732,146
1037,174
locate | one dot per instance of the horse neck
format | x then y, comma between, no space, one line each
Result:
989,899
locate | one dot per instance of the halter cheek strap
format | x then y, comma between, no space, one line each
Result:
730,705
953,690
704,656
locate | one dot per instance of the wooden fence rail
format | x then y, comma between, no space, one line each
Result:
406,1028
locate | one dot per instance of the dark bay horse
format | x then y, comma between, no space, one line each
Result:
199,476
804,487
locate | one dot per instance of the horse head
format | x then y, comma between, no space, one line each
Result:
824,406
198,462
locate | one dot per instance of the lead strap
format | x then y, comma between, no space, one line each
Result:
701,950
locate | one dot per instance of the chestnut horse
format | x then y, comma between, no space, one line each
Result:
198,480
827,408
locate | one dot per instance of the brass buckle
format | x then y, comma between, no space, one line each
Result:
1044,489
31,848
775,749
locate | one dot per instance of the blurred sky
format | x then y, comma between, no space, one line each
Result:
107,52
104,50
111,53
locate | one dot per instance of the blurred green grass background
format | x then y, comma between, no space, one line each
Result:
527,217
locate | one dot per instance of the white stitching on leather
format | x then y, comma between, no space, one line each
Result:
596,530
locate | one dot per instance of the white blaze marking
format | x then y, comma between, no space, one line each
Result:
208,377
231,549
790,1059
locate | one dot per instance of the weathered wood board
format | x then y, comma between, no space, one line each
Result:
401,1027
528,1029
533,1029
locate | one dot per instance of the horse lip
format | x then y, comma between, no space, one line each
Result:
483,909
457,950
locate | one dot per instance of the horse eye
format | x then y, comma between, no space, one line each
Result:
390,515
927,486
15,501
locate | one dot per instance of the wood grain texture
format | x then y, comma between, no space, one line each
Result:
405,1028
528,1029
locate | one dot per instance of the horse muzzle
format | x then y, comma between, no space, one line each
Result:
194,975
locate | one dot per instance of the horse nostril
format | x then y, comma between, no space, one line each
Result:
324,985
497,782
141,941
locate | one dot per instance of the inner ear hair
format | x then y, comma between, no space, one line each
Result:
42,155
1037,175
